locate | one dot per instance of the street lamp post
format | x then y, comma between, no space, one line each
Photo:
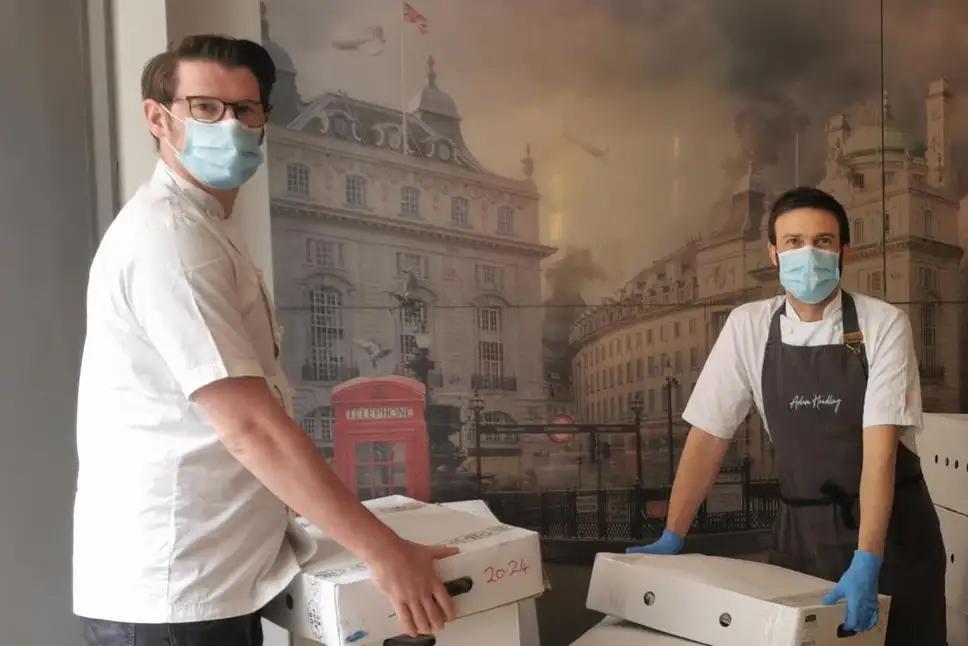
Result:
476,405
637,407
669,383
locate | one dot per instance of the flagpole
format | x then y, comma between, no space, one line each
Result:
403,90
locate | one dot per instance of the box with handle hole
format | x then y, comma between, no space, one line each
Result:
942,446
335,601
498,626
722,601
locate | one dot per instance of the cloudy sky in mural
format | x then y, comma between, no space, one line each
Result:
640,113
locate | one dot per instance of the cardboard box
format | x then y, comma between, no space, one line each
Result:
957,627
943,447
613,631
497,626
527,609
954,530
722,601
335,601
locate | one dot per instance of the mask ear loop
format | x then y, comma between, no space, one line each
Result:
176,118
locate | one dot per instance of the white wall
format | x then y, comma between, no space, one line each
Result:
47,218
136,38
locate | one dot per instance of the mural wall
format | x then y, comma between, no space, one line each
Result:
489,214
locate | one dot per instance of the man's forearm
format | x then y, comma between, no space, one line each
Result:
701,459
290,466
877,487
268,443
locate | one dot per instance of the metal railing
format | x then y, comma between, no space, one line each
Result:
621,514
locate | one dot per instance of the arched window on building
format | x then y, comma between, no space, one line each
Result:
297,179
505,221
413,321
356,190
857,235
490,348
325,334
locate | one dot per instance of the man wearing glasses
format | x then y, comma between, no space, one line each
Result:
188,454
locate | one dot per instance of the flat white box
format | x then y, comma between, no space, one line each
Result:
613,631
727,602
497,626
957,627
943,448
954,530
335,601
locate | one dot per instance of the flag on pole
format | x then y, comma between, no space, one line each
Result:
414,17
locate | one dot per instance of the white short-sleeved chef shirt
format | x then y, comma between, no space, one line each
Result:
732,379
168,526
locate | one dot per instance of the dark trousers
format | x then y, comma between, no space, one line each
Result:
237,631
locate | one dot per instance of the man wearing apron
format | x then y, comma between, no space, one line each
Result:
834,377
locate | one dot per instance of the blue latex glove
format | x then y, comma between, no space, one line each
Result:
670,543
859,586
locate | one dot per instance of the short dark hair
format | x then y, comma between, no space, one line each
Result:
807,197
160,76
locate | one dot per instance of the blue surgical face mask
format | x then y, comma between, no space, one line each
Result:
222,155
809,274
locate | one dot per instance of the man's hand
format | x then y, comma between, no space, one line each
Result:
669,544
405,573
859,586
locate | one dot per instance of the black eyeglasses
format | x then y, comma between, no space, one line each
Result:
208,109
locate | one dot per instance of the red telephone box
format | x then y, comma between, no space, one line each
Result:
380,444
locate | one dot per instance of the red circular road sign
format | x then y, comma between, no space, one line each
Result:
562,420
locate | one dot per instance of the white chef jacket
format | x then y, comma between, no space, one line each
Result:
168,526
732,379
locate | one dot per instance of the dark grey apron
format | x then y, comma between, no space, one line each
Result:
813,400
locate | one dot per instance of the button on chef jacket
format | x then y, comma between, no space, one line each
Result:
168,526
732,379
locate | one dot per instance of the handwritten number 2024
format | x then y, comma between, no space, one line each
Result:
514,567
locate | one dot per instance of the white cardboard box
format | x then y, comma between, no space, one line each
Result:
954,530
943,448
727,602
335,601
497,626
613,631
527,609
957,627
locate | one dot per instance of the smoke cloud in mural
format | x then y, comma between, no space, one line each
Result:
679,89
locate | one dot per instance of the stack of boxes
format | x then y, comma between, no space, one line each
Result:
493,580
943,448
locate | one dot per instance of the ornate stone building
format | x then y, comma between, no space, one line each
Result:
366,214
